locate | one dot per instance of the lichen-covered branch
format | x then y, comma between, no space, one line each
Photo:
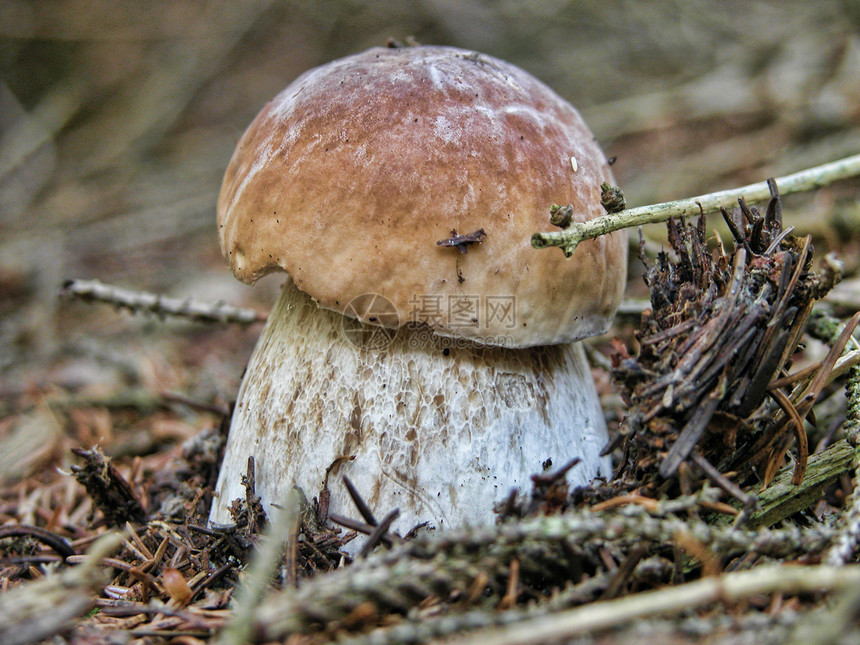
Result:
548,549
782,498
802,181
730,587
426,628
849,536
141,301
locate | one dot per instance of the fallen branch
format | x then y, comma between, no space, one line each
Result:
782,498
849,535
802,181
548,550
142,301
731,587
423,628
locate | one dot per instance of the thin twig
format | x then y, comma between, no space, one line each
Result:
57,543
360,527
142,301
799,434
379,532
749,501
802,181
359,502
846,362
615,613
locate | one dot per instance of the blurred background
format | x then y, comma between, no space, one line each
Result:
117,120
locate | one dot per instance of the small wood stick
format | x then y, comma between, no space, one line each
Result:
379,532
359,502
730,587
749,501
802,181
138,301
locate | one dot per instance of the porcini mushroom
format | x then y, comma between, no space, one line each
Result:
446,373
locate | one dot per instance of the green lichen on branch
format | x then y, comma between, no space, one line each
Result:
550,551
802,181
611,198
852,416
849,535
730,588
141,301
782,498
426,628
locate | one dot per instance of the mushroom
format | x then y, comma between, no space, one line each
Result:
431,363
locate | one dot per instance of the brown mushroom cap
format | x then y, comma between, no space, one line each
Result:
350,176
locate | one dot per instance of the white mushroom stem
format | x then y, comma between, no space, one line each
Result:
441,435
